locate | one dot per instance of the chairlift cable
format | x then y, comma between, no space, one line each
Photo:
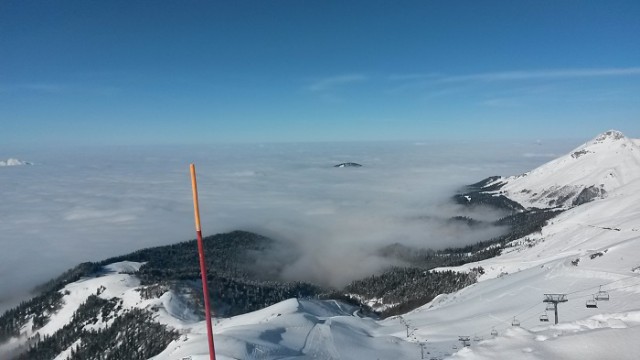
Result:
605,284
608,289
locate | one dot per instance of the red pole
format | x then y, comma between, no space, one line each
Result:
203,266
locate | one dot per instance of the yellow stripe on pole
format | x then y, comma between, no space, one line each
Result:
194,188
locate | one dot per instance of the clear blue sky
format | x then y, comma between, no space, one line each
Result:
154,72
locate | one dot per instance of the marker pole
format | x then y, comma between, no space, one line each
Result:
203,266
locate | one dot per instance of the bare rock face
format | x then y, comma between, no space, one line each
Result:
588,194
609,135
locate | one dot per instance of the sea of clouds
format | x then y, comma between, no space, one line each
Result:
77,205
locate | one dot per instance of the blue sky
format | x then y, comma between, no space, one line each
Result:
158,72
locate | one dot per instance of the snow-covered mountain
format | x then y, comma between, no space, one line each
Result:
592,170
347,164
586,249
13,162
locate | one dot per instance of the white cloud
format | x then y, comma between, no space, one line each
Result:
329,83
38,87
540,155
414,76
542,74
437,84
501,102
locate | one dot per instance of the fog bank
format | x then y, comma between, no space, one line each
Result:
89,204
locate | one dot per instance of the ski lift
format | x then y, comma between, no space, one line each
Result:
550,306
494,332
544,317
477,338
602,295
592,304
465,340
515,322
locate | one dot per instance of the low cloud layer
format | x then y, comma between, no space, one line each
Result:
75,206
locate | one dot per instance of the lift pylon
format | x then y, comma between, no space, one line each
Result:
555,299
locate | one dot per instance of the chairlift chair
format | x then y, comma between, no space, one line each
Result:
515,322
477,338
602,295
592,304
494,332
544,318
550,306
465,340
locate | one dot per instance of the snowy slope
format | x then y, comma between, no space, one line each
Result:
300,329
601,165
115,284
13,162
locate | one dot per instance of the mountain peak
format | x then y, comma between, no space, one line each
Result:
611,135
609,141
603,164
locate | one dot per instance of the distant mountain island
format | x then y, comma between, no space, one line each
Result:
14,162
347,164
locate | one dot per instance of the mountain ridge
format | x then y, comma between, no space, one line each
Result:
601,165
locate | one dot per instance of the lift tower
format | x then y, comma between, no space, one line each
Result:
555,299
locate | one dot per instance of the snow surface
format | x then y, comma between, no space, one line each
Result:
13,162
294,329
67,352
111,284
